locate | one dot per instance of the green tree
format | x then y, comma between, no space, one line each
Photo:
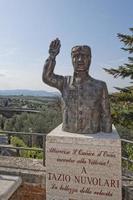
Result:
125,70
42,122
122,101
17,142
122,106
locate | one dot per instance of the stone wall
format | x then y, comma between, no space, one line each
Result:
32,173
30,170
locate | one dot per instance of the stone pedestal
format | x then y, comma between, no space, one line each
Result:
83,167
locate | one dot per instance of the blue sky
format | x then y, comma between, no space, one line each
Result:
28,26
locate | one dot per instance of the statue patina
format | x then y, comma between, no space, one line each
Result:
86,108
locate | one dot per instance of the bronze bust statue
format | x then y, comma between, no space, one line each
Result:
86,108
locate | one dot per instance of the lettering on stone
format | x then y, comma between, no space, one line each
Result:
88,157
83,182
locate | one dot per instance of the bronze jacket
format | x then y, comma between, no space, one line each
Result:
86,106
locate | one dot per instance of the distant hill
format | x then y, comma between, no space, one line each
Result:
19,92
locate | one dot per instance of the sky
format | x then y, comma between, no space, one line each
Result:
28,26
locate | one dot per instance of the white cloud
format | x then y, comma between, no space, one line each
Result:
1,75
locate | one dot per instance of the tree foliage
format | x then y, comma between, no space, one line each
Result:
125,70
43,122
122,101
17,142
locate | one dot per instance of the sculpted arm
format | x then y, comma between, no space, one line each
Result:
106,125
48,75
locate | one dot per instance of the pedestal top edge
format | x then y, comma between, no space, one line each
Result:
59,133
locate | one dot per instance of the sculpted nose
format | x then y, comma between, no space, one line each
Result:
79,58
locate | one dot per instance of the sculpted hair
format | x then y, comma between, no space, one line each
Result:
85,49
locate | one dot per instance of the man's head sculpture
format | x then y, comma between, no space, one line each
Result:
81,58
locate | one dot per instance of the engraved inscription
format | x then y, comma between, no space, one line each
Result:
83,183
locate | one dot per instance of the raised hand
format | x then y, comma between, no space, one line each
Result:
54,48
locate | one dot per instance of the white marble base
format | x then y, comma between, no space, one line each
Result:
83,167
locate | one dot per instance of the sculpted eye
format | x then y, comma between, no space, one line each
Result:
75,57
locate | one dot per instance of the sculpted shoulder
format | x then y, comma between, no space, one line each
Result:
98,83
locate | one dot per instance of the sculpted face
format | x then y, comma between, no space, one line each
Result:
81,58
